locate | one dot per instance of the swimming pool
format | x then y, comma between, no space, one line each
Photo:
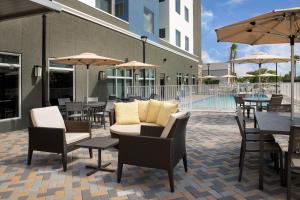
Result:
216,103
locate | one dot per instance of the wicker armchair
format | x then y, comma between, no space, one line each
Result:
48,132
152,150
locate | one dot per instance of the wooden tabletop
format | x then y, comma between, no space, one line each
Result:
276,122
99,143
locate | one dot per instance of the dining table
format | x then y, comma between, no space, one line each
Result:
258,100
274,123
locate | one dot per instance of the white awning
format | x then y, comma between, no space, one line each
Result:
11,9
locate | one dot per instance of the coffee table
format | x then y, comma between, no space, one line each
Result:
100,143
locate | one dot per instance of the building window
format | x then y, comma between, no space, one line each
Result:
121,9
186,79
162,33
117,82
178,79
194,80
10,85
178,38
178,6
186,14
104,5
150,77
61,82
187,43
148,20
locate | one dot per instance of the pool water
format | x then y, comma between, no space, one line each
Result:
218,103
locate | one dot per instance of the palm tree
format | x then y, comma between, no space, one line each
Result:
232,56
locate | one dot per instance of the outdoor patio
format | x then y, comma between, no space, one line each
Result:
213,144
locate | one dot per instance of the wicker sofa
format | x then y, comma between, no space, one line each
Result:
48,132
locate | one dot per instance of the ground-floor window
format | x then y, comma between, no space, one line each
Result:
150,77
194,82
61,82
179,79
10,85
186,79
117,82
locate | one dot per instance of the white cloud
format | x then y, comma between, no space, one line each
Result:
207,17
235,2
206,58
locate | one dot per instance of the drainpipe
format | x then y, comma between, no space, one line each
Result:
44,60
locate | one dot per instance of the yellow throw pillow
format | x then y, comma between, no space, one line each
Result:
143,110
165,112
153,110
127,113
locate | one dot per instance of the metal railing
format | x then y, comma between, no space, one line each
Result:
212,97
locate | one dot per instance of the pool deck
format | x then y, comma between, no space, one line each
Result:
213,144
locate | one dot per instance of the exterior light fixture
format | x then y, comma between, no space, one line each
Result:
102,75
165,60
144,38
37,70
168,78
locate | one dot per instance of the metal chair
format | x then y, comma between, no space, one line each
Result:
254,146
74,111
280,108
62,105
239,102
91,99
293,158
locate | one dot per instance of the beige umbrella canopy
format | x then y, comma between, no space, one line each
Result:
208,76
136,65
261,58
229,76
268,75
87,59
248,76
276,27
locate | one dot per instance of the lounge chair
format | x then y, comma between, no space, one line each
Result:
48,132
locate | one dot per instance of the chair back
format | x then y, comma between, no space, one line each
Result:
91,99
74,107
240,119
62,101
294,142
132,98
239,100
280,108
154,96
276,100
110,105
276,95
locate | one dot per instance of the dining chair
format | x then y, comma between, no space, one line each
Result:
280,108
74,111
62,105
91,99
293,159
248,145
239,102
100,114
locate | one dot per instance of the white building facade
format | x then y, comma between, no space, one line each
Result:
176,23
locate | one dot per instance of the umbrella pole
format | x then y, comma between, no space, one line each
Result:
259,78
292,41
276,77
87,82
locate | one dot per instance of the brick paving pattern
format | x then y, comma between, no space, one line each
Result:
213,143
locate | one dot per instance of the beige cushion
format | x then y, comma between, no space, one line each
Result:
143,110
166,109
153,110
75,137
131,129
127,113
171,122
296,162
48,117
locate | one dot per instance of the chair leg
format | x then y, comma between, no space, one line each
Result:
120,169
288,181
241,151
64,160
91,153
184,159
281,168
171,179
30,152
242,164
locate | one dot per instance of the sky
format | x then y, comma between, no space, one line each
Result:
219,13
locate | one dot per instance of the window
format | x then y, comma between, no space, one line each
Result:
150,77
148,20
186,79
194,80
104,5
10,85
162,33
160,1
186,14
178,6
121,9
178,79
61,82
118,81
178,38
187,43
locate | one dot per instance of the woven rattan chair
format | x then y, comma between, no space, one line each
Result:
239,102
254,146
293,159
280,108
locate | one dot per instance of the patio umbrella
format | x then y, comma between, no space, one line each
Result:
278,26
267,75
248,76
135,65
87,59
208,76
